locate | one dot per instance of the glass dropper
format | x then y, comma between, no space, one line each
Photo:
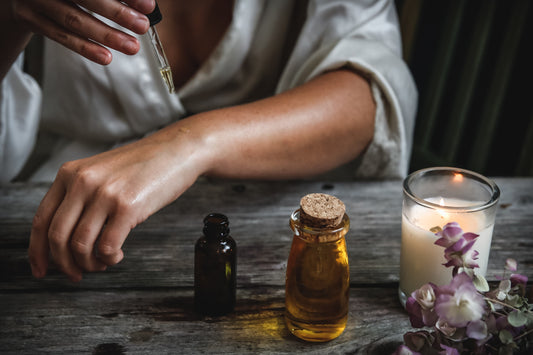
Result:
164,68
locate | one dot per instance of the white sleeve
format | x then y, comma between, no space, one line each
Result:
20,106
364,36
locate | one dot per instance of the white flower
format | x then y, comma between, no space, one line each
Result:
503,289
425,296
459,303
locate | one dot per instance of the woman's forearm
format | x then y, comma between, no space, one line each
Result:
95,202
305,131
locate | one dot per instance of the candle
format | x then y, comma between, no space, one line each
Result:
432,198
422,261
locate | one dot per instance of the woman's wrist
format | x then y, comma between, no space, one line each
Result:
186,143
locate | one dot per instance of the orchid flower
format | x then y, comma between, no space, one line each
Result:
466,316
421,306
459,303
451,233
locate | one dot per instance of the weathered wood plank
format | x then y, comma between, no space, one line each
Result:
159,252
163,322
144,304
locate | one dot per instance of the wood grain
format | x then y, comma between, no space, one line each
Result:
144,304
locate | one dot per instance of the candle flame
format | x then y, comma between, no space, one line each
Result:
442,214
457,177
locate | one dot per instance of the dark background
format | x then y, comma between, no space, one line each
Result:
472,63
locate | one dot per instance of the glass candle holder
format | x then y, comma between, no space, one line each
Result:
432,198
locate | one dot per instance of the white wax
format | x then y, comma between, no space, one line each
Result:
421,260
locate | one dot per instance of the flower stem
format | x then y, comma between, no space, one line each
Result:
491,347
501,303
524,334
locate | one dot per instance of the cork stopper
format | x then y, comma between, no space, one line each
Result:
319,210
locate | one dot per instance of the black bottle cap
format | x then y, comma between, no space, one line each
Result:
155,16
216,225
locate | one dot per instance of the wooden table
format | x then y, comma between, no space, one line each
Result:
144,304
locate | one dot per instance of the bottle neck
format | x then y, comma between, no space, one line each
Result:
216,226
313,234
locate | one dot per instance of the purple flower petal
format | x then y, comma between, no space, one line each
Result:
453,261
517,279
477,330
511,264
429,317
450,234
443,242
470,236
459,302
448,350
502,323
415,313
457,246
469,259
452,225
404,350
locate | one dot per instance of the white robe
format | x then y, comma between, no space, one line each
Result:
84,108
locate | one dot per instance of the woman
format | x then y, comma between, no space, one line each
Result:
269,89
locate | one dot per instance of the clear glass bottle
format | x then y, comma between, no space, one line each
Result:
215,268
317,281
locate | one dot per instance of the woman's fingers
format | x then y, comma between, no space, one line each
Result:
67,23
109,249
95,202
72,21
88,49
84,225
61,228
82,243
38,249
120,13
143,6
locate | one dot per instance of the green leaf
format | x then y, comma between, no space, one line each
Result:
435,229
514,301
505,286
481,284
517,318
529,316
506,337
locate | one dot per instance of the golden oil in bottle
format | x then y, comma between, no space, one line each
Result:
318,276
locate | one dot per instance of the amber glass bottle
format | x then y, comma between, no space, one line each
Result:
318,277
215,269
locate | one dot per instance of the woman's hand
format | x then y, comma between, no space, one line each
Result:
65,21
85,217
